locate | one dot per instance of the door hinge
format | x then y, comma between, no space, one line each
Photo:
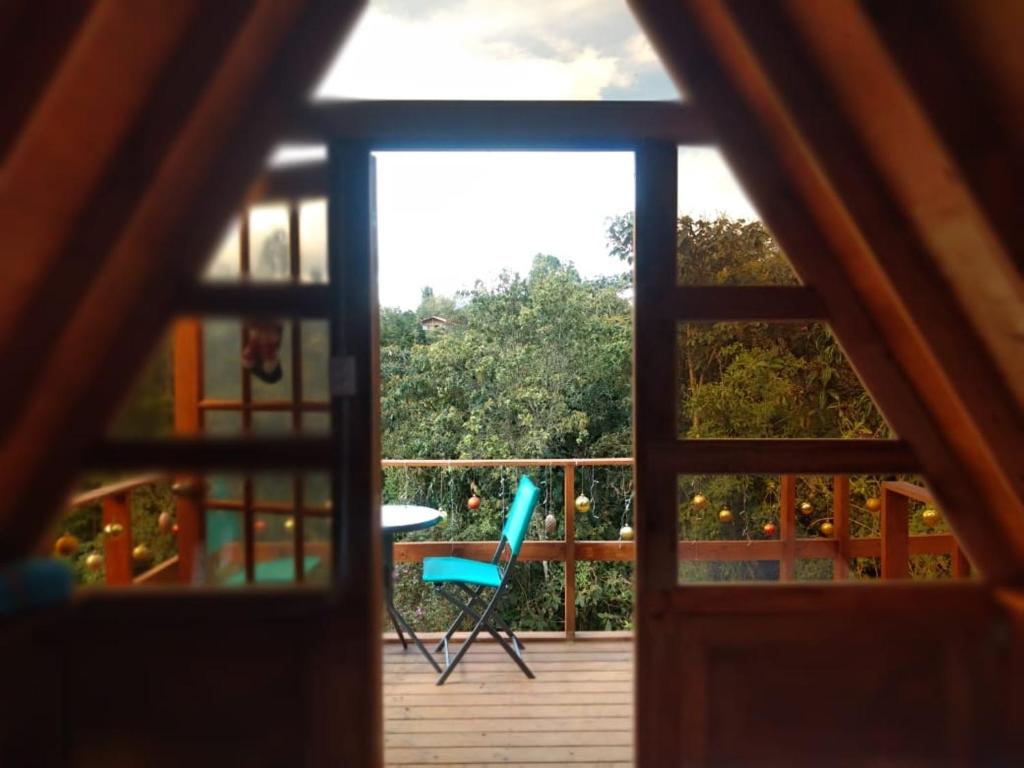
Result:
342,374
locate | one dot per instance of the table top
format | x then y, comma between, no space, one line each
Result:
402,518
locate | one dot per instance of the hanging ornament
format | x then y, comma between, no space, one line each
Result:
725,515
66,545
930,517
259,526
164,522
626,533
142,554
582,504
113,529
473,502
700,501
260,353
827,529
769,529
872,504
94,561
550,524
806,508
174,529
289,523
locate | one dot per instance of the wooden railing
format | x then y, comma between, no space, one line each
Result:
116,526
894,546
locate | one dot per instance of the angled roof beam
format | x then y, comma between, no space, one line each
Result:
703,45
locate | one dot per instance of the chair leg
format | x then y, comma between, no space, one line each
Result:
482,623
474,596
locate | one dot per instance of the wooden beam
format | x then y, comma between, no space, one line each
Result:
289,183
770,456
896,183
764,303
199,454
703,48
115,489
467,125
117,539
288,301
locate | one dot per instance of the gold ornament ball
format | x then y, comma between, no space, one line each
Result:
113,529
66,545
626,533
725,515
806,508
164,522
827,529
550,524
873,504
94,561
141,554
700,501
289,523
930,517
582,504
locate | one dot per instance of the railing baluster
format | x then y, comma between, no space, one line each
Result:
895,549
841,523
787,527
117,539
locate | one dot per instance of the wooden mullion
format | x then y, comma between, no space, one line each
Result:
298,491
746,303
248,516
768,456
283,300
263,405
655,394
206,454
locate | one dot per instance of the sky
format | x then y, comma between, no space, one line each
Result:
446,220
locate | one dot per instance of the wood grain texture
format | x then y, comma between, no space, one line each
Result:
578,710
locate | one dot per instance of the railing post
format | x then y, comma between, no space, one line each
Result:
117,539
787,527
961,566
895,544
188,503
841,522
569,500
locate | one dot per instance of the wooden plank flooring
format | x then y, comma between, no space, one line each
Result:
578,710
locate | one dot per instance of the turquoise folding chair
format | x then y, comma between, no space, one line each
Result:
472,578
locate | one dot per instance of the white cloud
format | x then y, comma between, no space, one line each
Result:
487,49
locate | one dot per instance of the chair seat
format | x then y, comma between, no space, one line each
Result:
438,569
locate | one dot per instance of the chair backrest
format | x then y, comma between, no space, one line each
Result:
518,519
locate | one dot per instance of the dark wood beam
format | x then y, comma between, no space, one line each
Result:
466,125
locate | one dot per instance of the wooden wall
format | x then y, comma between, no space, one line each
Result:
833,675
158,678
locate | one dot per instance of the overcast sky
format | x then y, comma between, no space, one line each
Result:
446,220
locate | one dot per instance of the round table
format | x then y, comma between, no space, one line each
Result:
403,518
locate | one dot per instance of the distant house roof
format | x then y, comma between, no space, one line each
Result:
433,320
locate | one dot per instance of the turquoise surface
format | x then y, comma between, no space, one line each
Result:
438,569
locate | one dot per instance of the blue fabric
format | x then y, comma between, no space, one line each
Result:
439,569
34,583
518,520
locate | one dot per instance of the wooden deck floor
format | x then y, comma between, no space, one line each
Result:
578,710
